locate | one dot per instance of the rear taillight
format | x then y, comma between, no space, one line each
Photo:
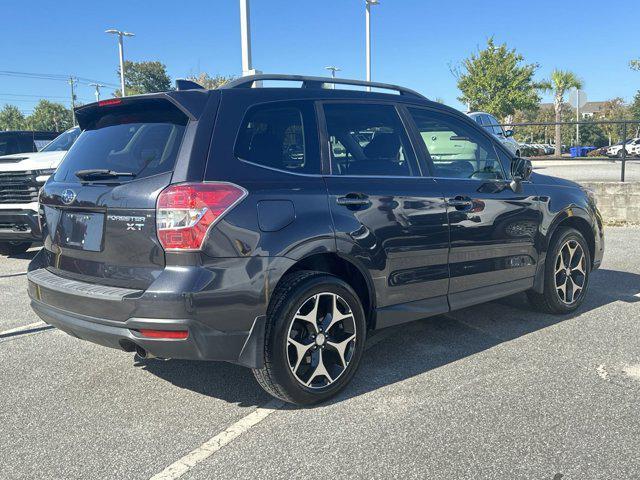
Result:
186,211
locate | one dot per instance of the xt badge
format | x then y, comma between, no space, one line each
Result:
132,222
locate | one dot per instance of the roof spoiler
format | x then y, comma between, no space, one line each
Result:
184,84
191,102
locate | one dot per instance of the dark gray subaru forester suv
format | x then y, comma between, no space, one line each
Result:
275,227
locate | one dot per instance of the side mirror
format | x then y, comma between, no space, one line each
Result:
521,170
508,133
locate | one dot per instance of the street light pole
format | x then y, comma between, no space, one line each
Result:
245,37
333,70
121,51
368,37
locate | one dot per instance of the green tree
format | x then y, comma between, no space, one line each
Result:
50,116
634,113
614,109
11,118
592,134
496,80
211,82
561,81
144,77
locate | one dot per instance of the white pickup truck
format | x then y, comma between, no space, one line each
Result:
21,177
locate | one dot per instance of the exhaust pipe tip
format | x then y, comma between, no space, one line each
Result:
142,353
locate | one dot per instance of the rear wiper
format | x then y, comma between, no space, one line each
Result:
98,173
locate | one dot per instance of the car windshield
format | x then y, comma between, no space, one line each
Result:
139,140
63,142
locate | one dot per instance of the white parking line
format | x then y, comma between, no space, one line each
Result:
23,328
204,451
214,444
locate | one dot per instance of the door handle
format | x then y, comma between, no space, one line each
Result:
354,200
460,203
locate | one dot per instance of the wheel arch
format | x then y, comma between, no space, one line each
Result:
570,218
345,269
582,225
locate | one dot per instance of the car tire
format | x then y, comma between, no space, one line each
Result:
14,248
309,356
567,268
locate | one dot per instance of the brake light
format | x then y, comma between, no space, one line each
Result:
186,212
173,334
111,101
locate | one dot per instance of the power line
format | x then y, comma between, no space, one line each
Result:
37,98
53,76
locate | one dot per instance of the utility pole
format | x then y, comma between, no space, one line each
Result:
72,84
368,37
98,86
333,70
121,34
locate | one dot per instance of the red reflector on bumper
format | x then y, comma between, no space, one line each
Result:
174,334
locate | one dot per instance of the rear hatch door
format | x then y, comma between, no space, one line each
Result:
98,211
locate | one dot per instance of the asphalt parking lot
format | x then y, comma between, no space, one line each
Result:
494,391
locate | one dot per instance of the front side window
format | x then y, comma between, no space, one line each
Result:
368,140
495,127
273,136
456,149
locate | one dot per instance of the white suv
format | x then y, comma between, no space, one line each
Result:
491,125
616,150
21,177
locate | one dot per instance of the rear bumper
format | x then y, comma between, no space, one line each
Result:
224,317
19,225
202,343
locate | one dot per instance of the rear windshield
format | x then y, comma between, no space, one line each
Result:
139,138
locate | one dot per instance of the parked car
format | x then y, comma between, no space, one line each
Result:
24,141
616,150
529,150
492,125
634,150
276,227
21,177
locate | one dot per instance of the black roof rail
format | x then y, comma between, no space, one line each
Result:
316,82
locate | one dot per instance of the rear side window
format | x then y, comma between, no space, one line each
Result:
142,138
273,136
368,140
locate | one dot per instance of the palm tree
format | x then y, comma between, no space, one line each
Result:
561,81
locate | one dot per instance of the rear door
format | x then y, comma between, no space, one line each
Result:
102,228
493,229
386,215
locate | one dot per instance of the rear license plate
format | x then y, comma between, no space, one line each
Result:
81,230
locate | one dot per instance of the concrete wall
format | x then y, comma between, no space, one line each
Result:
618,202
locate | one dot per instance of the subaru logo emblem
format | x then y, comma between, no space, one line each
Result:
68,196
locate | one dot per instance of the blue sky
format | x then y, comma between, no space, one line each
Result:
414,41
